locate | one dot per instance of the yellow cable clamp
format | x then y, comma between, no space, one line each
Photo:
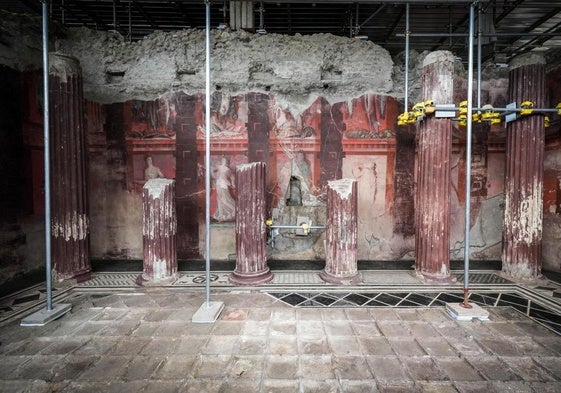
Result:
526,108
463,108
402,119
489,114
558,107
546,121
406,118
430,107
419,110
462,120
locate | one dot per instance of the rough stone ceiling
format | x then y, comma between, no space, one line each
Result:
520,25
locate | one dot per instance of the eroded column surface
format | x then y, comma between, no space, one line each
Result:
68,185
432,199
251,233
522,230
342,233
159,228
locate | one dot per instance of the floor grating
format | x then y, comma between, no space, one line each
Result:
540,313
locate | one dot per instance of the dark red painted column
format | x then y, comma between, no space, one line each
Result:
186,156
522,230
432,199
69,203
341,233
159,228
251,232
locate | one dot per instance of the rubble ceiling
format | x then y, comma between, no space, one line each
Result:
520,25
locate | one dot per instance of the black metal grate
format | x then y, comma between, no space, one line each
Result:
526,306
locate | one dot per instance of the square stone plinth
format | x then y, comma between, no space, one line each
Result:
461,313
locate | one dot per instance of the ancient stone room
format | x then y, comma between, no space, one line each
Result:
280,196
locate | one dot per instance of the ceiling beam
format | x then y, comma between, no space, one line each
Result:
148,18
394,25
32,5
87,10
539,40
507,11
179,7
536,24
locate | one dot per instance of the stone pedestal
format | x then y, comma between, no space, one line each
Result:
68,185
341,233
159,227
432,195
251,232
523,220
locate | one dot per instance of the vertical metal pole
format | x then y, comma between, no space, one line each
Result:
407,33
130,21
350,23
207,155
479,55
356,21
114,16
46,155
468,156
261,16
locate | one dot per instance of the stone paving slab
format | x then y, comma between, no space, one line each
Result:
137,342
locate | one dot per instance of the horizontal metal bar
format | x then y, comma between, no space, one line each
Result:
432,35
296,227
483,35
454,109
521,34
423,2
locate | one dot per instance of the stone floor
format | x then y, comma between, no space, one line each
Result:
143,340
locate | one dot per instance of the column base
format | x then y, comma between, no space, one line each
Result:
338,280
147,281
251,279
62,280
432,278
530,278
521,271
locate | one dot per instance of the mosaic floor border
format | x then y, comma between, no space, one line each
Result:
378,288
285,278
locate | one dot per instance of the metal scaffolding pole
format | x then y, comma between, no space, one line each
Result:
407,34
468,157
46,156
49,313
209,311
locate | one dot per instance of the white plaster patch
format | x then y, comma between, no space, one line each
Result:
74,226
528,58
63,66
437,57
343,187
156,187
159,269
528,218
246,167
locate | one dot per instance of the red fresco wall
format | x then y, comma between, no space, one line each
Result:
249,128
255,127
32,121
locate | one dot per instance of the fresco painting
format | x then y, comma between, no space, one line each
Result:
322,141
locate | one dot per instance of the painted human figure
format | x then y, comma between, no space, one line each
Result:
223,181
301,168
152,171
